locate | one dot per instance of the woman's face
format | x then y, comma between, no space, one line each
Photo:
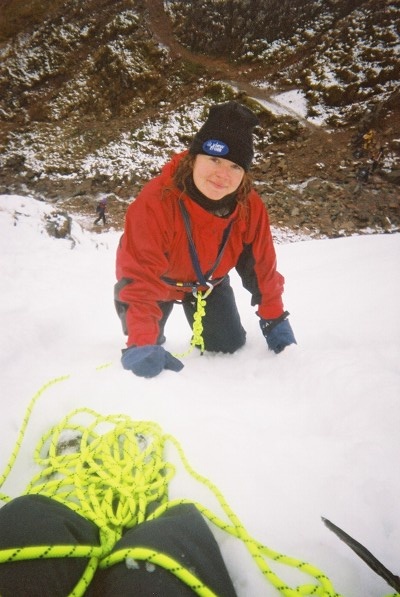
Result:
216,177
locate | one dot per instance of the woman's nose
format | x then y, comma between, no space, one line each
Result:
223,171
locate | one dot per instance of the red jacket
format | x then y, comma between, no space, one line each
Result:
155,245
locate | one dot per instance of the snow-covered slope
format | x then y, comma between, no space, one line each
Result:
287,439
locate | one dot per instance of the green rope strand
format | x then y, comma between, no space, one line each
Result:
40,552
21,434
197,327
84,582
115,470
197,338
257,550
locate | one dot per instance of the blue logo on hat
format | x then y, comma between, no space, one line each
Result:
215,147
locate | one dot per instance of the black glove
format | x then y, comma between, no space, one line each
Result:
149,360
277,332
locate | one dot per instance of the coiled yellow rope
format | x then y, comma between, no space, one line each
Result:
110,469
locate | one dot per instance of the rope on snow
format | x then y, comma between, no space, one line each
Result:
110,470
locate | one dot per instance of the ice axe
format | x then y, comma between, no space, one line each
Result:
365,555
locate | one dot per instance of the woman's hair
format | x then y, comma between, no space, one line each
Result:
185,169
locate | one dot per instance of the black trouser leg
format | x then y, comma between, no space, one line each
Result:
35,520
222,328
180,533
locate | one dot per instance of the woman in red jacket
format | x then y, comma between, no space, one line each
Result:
185,231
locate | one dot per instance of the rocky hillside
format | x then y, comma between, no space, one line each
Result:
94,96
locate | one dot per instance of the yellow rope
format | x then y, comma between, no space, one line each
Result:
197,339
110,469
21,434
258,551
197,328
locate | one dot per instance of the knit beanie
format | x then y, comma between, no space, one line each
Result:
227,133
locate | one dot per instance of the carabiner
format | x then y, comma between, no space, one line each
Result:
207,292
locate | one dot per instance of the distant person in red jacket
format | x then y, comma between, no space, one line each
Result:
186,230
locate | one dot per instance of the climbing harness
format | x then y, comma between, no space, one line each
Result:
110,469
205,281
